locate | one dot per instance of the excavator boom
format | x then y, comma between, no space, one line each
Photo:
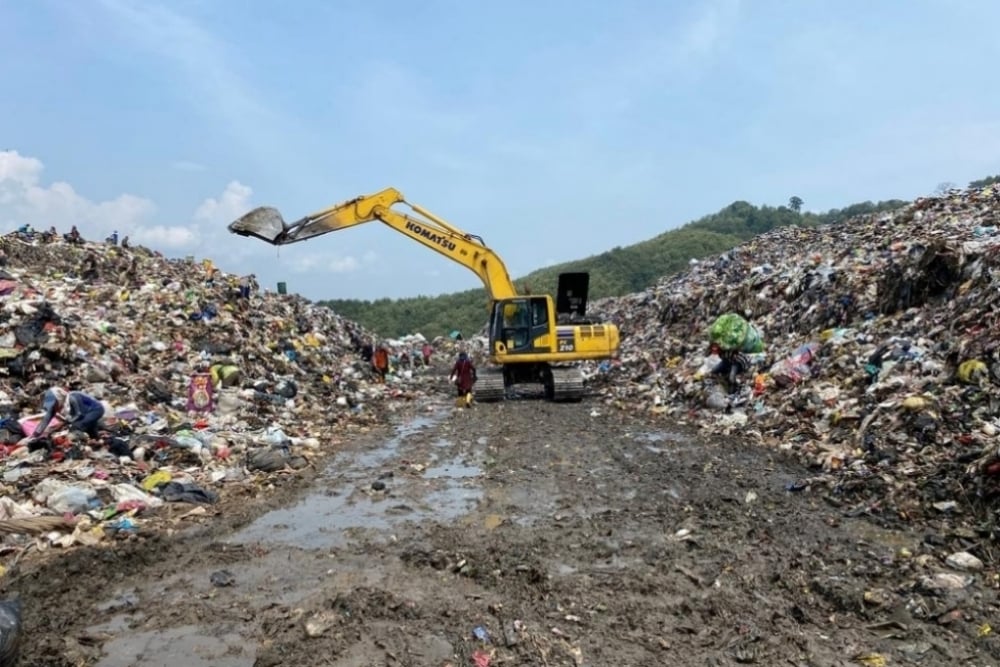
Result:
267,224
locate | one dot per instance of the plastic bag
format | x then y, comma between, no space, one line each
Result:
72,499
733,332
795,368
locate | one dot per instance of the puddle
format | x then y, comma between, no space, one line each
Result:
323,519
452,469
525,505
185,645
116,624
661,436
653,441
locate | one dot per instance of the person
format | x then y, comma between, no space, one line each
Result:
732,364
733,339
248,286
85,413
380,362
89,270
113,239
52,402
125,243
427,350
463,374
367,352
73,236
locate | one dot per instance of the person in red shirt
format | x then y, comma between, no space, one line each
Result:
380,362
463,374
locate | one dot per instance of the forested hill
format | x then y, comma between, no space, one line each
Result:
618,271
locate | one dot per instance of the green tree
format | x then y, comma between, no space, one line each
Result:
983,182
795,203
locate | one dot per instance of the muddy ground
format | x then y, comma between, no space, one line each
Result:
518,534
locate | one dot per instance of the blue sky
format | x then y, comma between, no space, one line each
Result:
554,130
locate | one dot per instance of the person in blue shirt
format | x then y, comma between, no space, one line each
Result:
85,413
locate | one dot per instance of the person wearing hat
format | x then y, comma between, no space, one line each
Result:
52,402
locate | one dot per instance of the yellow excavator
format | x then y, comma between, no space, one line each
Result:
532,338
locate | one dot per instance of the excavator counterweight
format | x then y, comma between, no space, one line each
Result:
527,342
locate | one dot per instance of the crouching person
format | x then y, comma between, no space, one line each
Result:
85,413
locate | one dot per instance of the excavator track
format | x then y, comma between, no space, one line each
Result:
567,385
489,386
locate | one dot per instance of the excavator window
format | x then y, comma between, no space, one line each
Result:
539,313
518,322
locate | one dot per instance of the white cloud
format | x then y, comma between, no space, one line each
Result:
161,236
657,59
234,202
707,31
344,264
318,262
24,199
187,165
203,66
18,169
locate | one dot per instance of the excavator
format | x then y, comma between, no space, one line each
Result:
533,339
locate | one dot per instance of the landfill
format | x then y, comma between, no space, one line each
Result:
205,385
879,362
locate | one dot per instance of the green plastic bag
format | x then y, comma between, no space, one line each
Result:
732,332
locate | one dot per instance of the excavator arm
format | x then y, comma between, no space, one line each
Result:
470,251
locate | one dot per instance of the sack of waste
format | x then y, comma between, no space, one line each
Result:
732,332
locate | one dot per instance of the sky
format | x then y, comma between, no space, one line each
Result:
553,129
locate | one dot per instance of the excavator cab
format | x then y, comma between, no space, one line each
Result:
521,325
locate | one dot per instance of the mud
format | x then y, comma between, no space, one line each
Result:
518,534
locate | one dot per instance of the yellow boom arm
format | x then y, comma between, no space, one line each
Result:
468,250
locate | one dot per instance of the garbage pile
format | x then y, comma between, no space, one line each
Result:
203,383
879,360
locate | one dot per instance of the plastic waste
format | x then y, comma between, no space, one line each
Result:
795,368
156,479
126,492
73,500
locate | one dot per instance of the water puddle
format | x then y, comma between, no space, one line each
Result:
454,468
185,645
375,491
654,441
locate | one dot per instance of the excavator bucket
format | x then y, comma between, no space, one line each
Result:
264,223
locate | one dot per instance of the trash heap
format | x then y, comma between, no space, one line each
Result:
203,387
880,364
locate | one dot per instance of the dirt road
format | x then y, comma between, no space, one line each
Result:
520,534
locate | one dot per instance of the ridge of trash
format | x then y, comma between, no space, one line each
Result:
880,367
140,333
